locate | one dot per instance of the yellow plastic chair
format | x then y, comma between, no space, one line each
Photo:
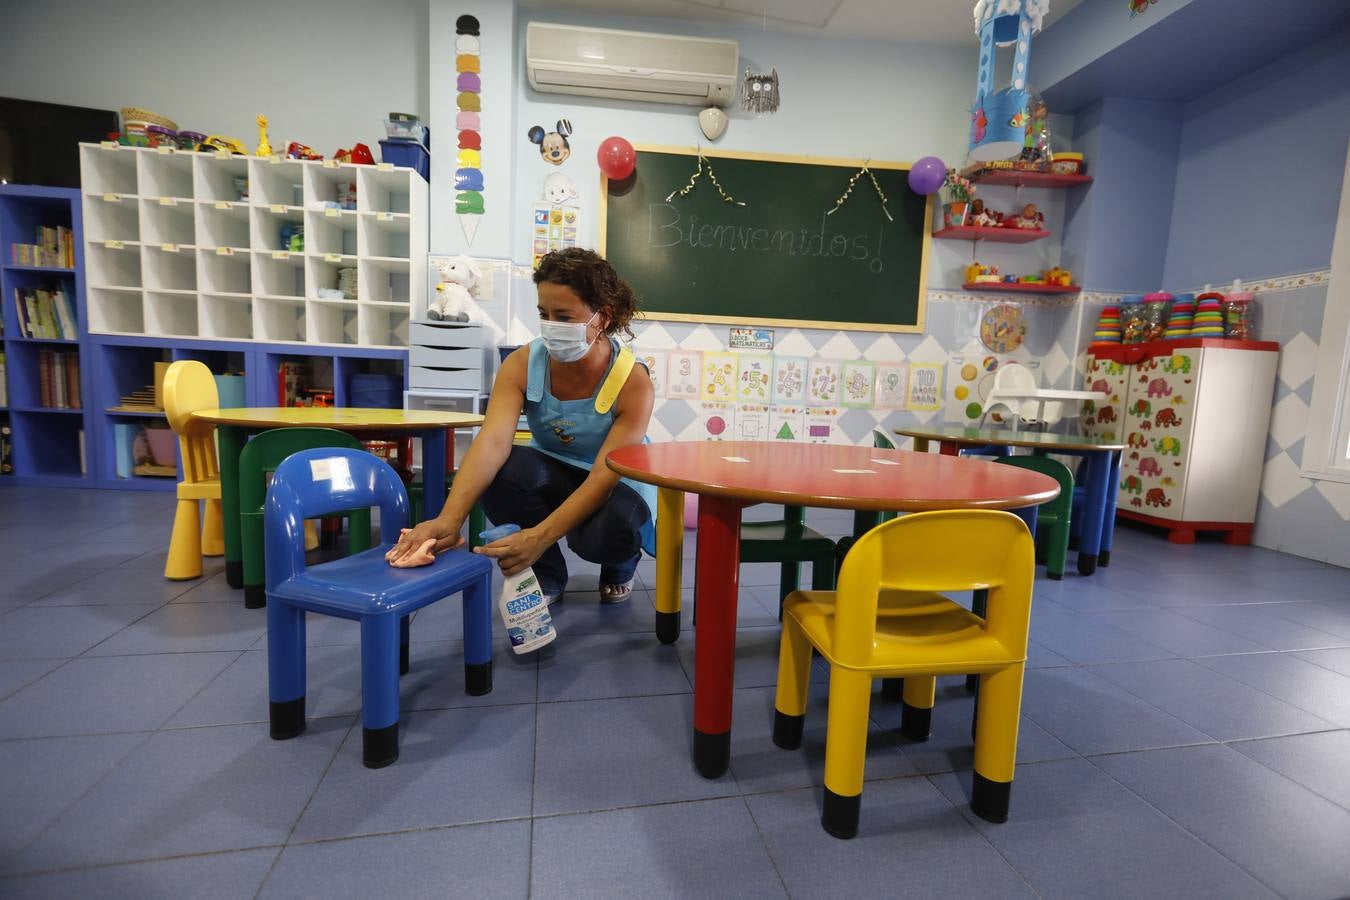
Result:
887,620
188,387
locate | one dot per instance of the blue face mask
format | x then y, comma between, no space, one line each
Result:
566,341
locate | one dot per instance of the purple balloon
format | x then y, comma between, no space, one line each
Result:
927,175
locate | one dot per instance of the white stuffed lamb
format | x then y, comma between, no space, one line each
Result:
454,295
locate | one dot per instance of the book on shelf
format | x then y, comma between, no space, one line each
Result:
46,314
59,379
6,450
4,385
54,247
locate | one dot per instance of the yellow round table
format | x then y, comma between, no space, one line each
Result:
234,426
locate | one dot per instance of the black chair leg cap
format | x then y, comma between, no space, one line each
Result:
234,573
916,723
1073,544
255,596
379,746
989,799
478,678
892,689
1055,576
287,718
712,753
787,730
1087,564
668,627
1104,558
839,817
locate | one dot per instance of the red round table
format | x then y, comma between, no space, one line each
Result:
734,474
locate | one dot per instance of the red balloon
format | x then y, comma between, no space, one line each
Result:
616,157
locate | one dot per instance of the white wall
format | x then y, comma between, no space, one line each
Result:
324,71
839,98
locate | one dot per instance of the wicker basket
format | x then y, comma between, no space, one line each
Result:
136,114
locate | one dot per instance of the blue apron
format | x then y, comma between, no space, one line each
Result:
572,431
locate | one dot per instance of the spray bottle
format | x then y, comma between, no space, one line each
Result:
522,605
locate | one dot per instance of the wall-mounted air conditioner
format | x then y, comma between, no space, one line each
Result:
631,65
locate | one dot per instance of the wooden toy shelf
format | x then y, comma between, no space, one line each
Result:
1019,178
1022,287
993,235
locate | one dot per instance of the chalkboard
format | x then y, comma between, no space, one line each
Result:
779,260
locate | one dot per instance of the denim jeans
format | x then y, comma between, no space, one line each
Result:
530,485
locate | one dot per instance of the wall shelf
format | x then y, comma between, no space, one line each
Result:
993,235
1021,287
1020,178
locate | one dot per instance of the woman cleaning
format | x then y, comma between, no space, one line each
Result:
583,397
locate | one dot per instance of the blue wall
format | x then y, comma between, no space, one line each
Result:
1116,233
1259,172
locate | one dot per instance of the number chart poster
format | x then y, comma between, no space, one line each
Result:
925,386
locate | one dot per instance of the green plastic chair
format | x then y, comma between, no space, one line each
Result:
259,459
1053,518
788,541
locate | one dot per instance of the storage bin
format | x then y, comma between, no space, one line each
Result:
375,391
230,390
407,153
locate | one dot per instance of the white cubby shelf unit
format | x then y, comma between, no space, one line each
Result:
182,244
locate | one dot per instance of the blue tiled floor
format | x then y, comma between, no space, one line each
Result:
1185,733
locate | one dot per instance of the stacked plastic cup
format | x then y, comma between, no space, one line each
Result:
1208,315
1182,318
1108,326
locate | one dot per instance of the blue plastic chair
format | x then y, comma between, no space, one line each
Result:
363,587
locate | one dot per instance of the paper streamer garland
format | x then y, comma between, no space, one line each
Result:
693,180
854,180
468,164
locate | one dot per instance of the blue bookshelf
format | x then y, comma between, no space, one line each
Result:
49,446
125,363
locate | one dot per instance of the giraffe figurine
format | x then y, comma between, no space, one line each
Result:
264,146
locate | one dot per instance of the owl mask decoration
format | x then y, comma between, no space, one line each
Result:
553,146
759,93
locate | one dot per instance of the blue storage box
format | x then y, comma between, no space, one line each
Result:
407,153
375,391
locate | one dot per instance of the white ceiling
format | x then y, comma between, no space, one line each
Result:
904,21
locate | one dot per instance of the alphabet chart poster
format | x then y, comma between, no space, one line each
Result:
789,379
787,423
718,376
822,383
892,386
752,422
682,374
655,361
925,386
754,381
858,378
719,421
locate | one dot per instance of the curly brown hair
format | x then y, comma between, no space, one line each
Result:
593,279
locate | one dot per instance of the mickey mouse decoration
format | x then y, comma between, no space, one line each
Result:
553,146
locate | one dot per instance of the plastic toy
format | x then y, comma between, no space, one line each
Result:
983,217
454,293
1058,276
264,145
220,142
297,150
1029,217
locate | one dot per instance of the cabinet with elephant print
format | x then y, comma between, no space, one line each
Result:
1194,415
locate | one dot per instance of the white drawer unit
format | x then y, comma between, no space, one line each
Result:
448,356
